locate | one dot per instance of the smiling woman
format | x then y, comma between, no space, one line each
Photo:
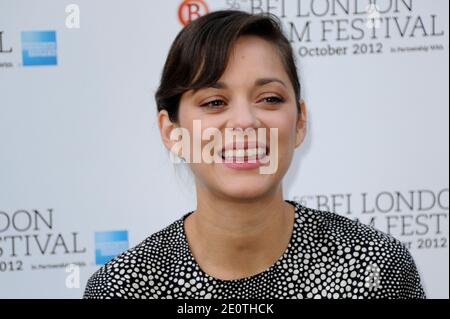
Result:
230,70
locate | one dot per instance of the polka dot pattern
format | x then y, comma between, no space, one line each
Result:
329,256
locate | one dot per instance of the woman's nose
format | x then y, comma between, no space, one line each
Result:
243,116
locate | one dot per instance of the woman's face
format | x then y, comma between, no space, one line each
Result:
254,92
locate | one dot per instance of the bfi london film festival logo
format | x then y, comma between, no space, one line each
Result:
31,241
324,28
189,10
418,218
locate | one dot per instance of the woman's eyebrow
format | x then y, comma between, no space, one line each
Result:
217,85
265,81
258,82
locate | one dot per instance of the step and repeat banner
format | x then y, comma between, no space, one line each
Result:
84,175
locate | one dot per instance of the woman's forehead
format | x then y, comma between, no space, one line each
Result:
254,56
254,49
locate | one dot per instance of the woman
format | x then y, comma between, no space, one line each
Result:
234,71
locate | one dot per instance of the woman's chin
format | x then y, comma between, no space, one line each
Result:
245,190
240,185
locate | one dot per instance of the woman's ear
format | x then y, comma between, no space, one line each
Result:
166,127
301,124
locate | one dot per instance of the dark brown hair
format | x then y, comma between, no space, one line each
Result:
199,55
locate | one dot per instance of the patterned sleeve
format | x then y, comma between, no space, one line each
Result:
97,286
412,287
400,277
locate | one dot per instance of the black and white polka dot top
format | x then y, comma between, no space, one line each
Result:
329,256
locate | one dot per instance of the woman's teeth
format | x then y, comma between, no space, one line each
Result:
244,153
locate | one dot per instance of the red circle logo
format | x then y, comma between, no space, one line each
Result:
190,10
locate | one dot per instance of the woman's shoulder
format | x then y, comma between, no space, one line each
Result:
377,255
137,269
346,231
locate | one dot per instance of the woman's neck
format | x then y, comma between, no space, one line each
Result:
237,239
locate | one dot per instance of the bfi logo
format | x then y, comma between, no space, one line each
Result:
190,10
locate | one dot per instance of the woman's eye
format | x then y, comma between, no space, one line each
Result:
214,104
273,100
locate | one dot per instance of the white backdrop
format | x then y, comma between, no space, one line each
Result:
80,152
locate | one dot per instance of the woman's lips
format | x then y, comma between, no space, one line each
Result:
243,166
244,155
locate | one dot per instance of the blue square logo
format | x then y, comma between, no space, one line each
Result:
109,245
39,48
